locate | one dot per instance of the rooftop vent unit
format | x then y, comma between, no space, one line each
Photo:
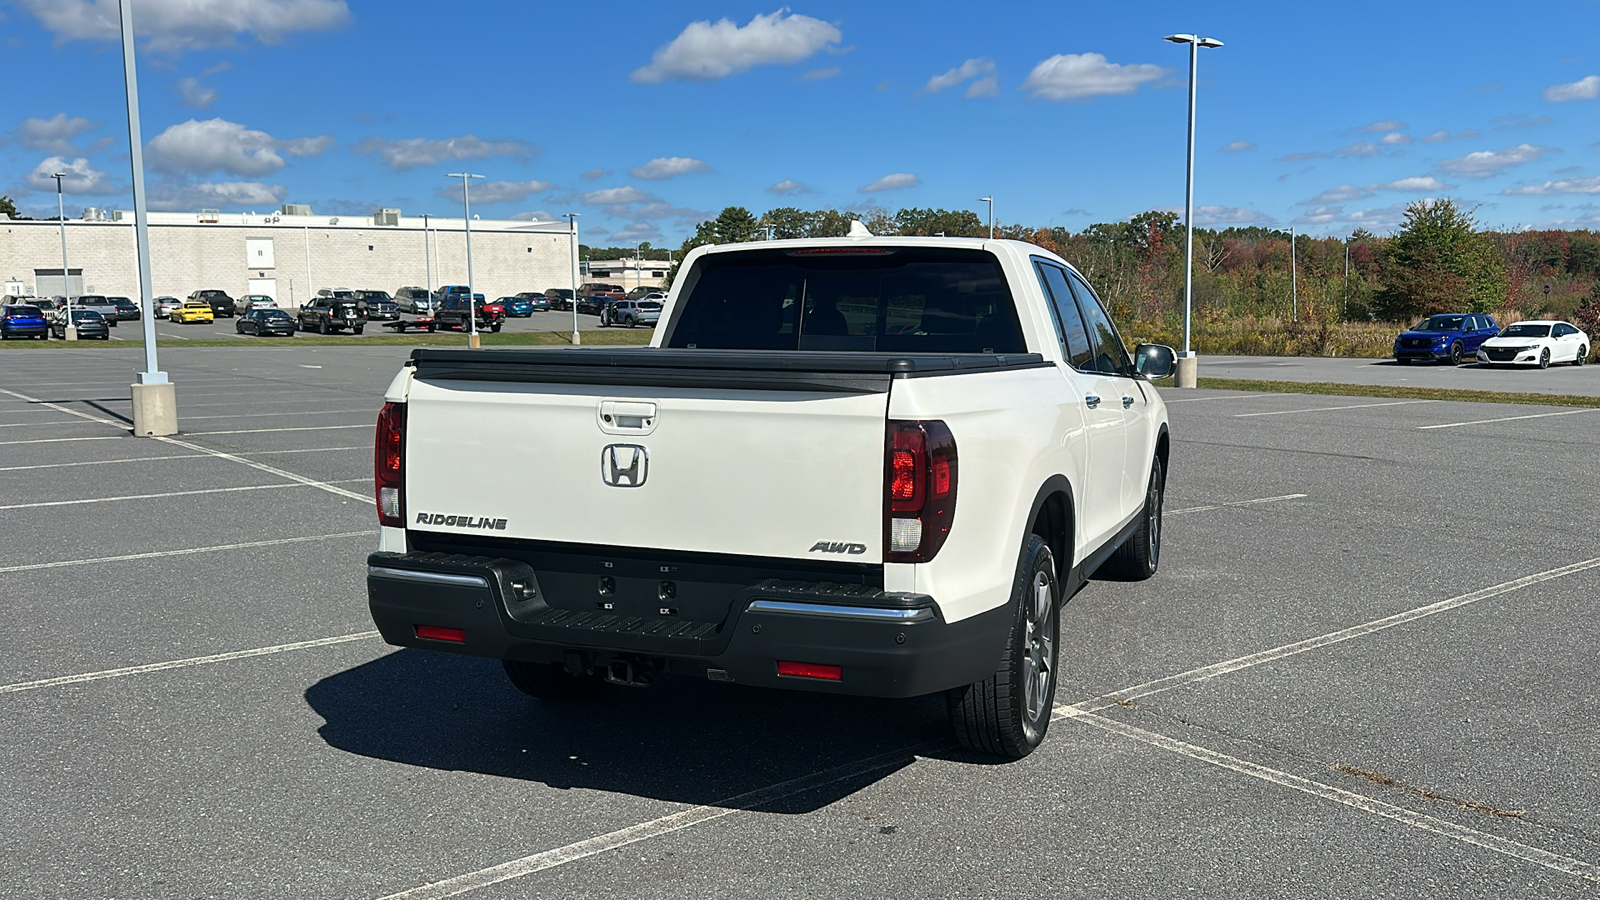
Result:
387,217
297,209
210,216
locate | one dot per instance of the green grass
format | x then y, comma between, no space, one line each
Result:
1402,393
623,337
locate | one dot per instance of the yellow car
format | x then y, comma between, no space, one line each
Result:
192,311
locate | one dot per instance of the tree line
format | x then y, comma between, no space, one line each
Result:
1438,260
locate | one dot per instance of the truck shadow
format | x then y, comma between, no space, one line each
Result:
681,740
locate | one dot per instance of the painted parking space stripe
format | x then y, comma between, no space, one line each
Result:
368,425
187,551
1564,864
224,490
1286,412
98,462
184,663
62,440
1568,412
1234,503
261,466
297,413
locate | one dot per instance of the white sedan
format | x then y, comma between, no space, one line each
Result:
1538,342
165,306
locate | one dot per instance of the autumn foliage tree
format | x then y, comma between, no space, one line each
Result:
1438,261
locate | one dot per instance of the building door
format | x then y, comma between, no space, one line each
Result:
48,283
268,286
258,253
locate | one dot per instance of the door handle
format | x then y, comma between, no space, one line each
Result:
1127,402
1092,401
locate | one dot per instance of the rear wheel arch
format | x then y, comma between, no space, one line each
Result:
1053,517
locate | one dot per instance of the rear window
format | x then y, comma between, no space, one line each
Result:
23,311
904,300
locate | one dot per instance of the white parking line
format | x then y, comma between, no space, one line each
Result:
1179,512
295,412
1203,673
644,831
33,424
282,473
188,551
68,410
1563,864
1209,399
97,462
1570,412
183,663
1285,412
61,440
226,490
369,426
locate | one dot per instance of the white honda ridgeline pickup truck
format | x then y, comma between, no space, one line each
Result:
859,465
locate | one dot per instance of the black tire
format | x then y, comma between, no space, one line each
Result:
1582,357
1140,555
1455,354
1008,713
322,327
1544,358
552,681
629,322
495,328
359,328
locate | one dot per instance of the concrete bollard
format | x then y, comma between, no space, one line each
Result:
1188,370
155,409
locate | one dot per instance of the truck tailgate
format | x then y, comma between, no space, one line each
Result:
755,472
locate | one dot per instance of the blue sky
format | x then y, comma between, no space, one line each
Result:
646,117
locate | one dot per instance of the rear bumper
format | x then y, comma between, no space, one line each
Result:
886,644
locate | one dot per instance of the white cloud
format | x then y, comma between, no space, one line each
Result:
821,74
81,177
496,191
1073,76
1487,163
538,215
1238,146
1590,185
1230,215
309,146
636,232
174,25
1418,183
1359,149
411,153
187,195
192,93
988,86
1444,135
1345,193
53,135
664,167
1385,125
969,69
1341,194
1394,139
786,187
617,195
706,51
215,145
595,174
1512,121
1377,219
1586,88
896,182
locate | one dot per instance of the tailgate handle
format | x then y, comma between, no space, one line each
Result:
633,415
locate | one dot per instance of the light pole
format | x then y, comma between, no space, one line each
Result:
427,262
466,206
71,332
1187,366
990,201
572,219
155,398
1344,298
1294,279
771,230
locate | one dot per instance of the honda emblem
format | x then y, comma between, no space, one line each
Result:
624,465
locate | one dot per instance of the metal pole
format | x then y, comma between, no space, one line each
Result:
572,218
427,261
1344,299
466,205
1188,207
990,201
1294,278
310,292
155,403
71,331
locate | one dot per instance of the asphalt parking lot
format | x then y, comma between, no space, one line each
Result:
1366,668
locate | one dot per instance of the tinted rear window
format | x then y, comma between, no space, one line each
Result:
905,300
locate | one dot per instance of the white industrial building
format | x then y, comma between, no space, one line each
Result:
287,255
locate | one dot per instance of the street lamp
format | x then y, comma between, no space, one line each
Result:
155,398
427,262
990,201
572,218
1187,367
71,332
466,205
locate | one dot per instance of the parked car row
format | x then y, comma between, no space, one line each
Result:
29,321
1453,337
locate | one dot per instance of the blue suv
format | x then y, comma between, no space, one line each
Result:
1447,337
20,319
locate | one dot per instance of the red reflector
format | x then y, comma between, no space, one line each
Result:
904,486
941,476
437,633
810,670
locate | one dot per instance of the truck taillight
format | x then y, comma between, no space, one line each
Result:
389,464
919,482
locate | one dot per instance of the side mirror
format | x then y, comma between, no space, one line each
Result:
1154,360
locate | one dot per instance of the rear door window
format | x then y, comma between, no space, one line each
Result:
1069,322
1110,356
935,300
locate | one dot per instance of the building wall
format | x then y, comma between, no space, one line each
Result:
189,257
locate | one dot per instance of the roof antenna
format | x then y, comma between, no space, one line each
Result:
858,230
